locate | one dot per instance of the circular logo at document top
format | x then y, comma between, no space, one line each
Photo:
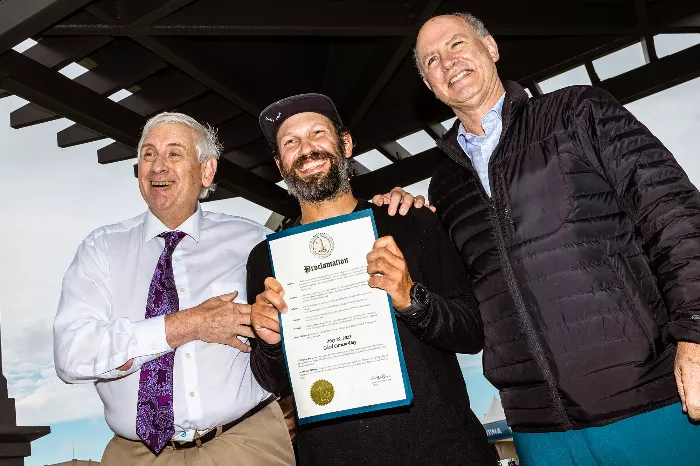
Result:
321,245
322,392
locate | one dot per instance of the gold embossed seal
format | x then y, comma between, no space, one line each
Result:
322,392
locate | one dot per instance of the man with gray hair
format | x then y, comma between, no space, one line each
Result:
153,312
581,236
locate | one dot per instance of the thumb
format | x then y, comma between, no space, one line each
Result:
681,391
239,345
228,296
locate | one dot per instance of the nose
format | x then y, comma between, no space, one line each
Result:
448,60
306,147
159,165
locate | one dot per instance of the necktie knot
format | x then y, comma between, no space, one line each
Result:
172,239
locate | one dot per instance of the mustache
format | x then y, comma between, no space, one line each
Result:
315,155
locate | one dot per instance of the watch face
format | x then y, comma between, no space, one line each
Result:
421,294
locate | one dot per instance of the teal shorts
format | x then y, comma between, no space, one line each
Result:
664,436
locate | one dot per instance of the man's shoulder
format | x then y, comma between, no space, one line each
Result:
233,221
260,250
417,220
125,226
569,97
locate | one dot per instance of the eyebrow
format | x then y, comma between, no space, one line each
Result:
459,34
172,144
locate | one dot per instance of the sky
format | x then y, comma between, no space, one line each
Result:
54,197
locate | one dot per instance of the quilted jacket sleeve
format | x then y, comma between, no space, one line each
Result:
657,195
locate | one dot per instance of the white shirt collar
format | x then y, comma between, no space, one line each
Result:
152,226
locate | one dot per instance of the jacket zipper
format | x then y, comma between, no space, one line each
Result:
532,337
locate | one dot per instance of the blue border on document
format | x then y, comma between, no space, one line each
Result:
406,382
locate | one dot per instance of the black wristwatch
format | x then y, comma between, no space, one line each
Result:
420,297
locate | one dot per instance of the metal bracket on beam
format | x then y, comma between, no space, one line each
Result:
435,130
393,151
592,73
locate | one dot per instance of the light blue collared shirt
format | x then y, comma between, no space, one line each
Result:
480,148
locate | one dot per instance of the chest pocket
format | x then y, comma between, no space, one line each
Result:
537,197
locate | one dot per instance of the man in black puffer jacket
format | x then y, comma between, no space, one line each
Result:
581,235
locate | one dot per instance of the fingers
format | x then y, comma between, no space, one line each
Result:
271,283
384,262
246,331
272,298
378,281
406,203
265,318
380,199
420,201
228,296
239,345
396,197
388,243
681,391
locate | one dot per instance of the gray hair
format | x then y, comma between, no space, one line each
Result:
476,24
206,141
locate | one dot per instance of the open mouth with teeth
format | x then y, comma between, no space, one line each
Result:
459,76
161,184
312,166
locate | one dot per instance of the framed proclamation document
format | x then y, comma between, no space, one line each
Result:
340,340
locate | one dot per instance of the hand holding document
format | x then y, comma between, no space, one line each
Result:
340,339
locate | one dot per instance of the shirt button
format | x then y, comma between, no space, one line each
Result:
182,290
187,355
191,393
177,259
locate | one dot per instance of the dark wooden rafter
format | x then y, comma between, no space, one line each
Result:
32,81
120,64
163,90
592,73
402,173
641,10
393,151
226,30
655,76
20,19
180,60
234,30
363,97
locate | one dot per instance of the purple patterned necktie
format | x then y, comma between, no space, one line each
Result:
155,417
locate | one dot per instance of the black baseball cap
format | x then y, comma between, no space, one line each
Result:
275,114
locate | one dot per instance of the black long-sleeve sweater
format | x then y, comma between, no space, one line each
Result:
439,427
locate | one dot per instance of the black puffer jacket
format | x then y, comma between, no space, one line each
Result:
585,262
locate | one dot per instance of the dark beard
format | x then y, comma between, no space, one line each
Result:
319,187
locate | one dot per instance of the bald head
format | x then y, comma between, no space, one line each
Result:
472,21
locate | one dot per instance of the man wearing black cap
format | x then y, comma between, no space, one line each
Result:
415,263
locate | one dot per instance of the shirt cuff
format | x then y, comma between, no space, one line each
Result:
149,337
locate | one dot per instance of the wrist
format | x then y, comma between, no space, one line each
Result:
420,299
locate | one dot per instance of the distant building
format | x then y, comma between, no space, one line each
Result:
499,434
77,463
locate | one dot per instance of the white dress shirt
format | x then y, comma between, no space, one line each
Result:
100,322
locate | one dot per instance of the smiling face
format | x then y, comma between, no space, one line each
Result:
170,173
312,160
457,65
